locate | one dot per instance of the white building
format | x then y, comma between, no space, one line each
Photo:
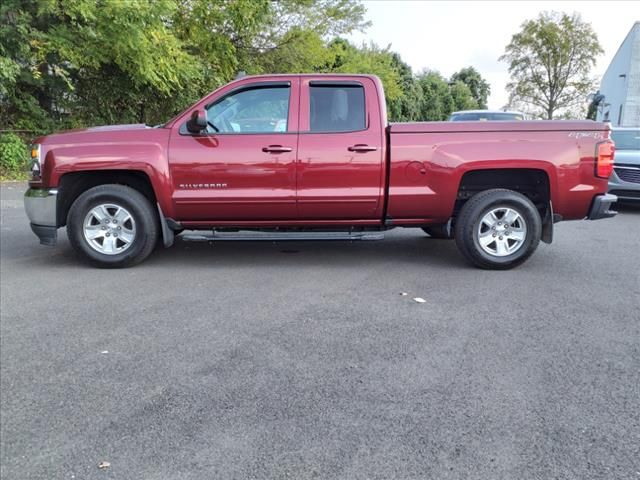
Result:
621,84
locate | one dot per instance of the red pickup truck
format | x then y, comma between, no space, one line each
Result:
313,157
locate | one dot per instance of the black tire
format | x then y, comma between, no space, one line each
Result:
468,224
438,231
141,211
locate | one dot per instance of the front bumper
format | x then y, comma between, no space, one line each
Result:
41,206
600,208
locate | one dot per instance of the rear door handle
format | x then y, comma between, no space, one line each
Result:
276,149
361,147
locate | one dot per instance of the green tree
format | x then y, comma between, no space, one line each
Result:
462,96
480,88
327,18
73,63
300,51
436,101
366,59
439,97
406,107
296,34
550,60
66,63
81,64
221,34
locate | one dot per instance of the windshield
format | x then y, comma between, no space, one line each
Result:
484,116
626,139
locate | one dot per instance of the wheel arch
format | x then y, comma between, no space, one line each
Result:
534,183
74,184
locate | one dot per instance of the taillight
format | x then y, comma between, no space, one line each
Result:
604,159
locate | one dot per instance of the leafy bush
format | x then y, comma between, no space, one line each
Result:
14,155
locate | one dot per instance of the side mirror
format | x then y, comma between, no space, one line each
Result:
198,121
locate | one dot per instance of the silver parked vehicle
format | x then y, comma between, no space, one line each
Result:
625,179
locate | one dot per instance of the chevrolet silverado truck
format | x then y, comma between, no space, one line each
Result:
299,157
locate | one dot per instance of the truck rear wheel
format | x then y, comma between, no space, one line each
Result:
113,226
498,229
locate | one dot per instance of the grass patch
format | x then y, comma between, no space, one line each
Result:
8,176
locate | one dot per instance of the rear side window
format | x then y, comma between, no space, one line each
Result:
337,108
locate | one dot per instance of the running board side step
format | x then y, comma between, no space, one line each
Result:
278,236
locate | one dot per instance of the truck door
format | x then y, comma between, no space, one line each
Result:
340,150
243,167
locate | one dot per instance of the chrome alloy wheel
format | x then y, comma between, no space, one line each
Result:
109,229
502,231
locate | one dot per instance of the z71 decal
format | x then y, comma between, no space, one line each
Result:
594,135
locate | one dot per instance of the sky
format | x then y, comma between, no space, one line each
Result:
449,35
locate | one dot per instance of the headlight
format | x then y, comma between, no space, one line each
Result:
35,165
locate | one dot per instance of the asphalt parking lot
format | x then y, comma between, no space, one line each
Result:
303,360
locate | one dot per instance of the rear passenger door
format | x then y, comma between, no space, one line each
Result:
340,150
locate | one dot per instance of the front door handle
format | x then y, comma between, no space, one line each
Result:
276,149
361,147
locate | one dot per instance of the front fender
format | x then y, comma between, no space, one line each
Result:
146,155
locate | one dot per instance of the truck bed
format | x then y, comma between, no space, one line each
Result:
428,161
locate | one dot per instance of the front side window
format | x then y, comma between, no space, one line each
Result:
254,110
337,108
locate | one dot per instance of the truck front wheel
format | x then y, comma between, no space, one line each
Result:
498,229
113,226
